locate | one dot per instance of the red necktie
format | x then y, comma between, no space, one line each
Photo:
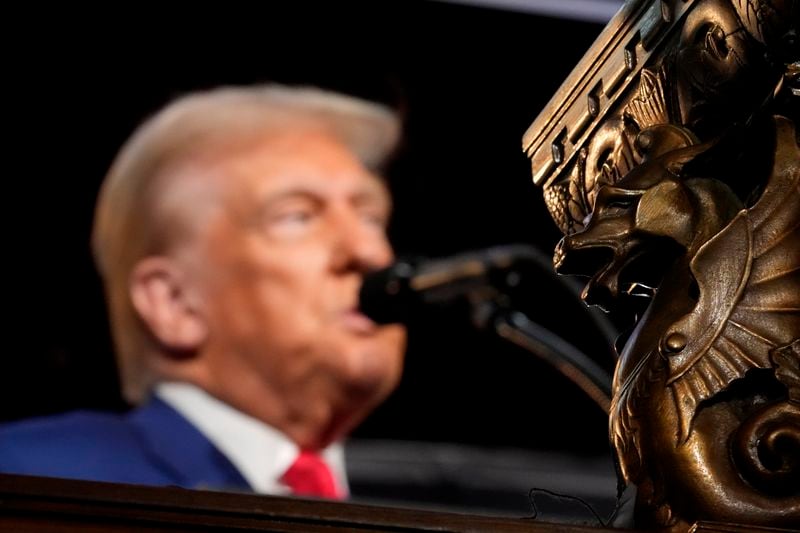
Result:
310,476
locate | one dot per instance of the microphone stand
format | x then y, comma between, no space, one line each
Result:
490,311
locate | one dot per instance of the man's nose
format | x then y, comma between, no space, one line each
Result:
361,246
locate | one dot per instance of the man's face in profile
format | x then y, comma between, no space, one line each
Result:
297,222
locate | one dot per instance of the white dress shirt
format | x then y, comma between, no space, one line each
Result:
261,453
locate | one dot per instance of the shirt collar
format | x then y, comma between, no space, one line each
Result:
260,452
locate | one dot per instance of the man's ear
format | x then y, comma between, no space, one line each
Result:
166,302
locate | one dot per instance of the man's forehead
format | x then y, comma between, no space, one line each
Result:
372,192
295,147
292,164
258,164
310,159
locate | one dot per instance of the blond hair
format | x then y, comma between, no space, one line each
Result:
126,229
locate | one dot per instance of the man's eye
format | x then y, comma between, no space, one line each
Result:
291,219
294,216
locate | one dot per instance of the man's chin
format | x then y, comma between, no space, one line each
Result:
375,374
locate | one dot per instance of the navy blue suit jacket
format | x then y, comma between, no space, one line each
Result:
151,445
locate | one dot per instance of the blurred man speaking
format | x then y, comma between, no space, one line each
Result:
232,234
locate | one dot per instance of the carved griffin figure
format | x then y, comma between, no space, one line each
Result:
685,190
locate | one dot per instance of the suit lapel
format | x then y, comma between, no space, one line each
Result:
184,454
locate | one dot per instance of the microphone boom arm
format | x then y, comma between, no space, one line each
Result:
572,363
487,279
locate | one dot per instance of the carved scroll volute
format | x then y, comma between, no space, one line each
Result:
675,137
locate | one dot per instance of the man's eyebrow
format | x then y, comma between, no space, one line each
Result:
372,194
266,206
367,195
289,194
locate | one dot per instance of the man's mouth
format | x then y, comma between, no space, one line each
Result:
357,322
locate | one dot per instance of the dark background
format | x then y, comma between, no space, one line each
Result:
469,81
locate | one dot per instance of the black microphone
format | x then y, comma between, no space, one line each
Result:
394,293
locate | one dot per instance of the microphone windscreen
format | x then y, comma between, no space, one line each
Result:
385,296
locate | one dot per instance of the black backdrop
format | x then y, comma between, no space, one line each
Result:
470,81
